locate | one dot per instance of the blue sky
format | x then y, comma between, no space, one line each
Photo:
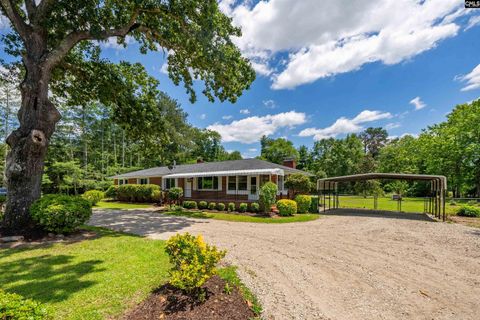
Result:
332,68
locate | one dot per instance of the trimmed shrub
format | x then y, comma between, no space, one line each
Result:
254,207
202,205
14,306
243,207
231,206
111,192
268,196
136,192
314,204
286,207
303,203
189,204
60,213
468,211
94,196
221,206
193,261
298,183
212,205
472,202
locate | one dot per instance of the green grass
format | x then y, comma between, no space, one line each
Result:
386,203
229,274
121,205
243,218
92,279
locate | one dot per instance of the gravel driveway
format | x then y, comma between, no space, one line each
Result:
342,266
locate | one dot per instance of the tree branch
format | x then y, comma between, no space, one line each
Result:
56,55
31,8
43,9
17,21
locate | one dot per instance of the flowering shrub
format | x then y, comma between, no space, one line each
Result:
193,261
303,203
286,207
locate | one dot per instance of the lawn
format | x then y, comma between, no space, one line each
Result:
92,279
386,203
121,205
243,218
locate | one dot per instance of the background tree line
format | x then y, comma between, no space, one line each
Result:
450,148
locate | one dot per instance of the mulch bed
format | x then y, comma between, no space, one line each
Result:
170,303
39,237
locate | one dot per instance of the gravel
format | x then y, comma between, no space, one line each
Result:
342,266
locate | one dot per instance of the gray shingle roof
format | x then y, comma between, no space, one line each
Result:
245,164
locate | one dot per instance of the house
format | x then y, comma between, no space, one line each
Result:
223,181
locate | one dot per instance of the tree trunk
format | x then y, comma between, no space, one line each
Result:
28,145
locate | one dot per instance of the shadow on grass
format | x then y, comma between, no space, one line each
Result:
378,214
45,278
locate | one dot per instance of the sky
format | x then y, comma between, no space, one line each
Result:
333,67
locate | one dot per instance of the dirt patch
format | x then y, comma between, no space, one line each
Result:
170,303
43,238
467,221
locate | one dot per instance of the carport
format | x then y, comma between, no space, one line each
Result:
434,204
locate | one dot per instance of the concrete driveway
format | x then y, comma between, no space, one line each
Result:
348,265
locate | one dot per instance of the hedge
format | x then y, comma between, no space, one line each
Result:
286,207
137,192
94,196
231,206
255,207
221,206
468,211
314,204
202,205
212,205
242,207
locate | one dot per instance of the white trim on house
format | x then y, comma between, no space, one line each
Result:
251,172
148,180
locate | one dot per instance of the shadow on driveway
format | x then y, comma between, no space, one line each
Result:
378,214
141,222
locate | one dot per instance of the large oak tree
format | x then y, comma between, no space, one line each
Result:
54,37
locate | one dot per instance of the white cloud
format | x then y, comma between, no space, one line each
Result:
251,129
4,22
252,150
321,42
344,125
244,111
227,117
417,103
472,22
203,116
472,79
392,125
269,104
111,43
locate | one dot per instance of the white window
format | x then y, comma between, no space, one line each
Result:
169,183
242,183
232,183
142,181
122,181
207,183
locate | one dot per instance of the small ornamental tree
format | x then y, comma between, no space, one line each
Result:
298,183
58,43
268,196
175,194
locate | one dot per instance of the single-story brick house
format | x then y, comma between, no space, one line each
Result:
223,181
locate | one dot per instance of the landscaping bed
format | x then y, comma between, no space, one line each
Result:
168,302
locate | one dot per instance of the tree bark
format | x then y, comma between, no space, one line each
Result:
28,145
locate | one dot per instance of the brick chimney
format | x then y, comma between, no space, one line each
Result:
290,162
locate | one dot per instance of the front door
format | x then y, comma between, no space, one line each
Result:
253,192
188,188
